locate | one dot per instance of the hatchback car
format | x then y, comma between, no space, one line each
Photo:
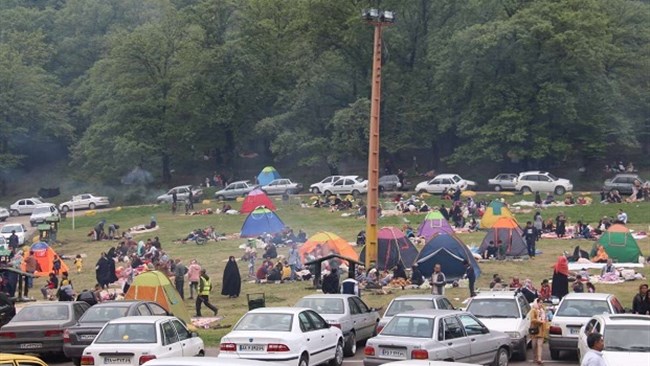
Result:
79,336
437,335
282,186
350,184
136,340
24,206
505,311
406,303
7,359
443,182
20,230
356,320
43,212
291,336
38,327
319,187
234,190
623,183
389,183
573,311
503,181
182,194
627,338
84,201
538,181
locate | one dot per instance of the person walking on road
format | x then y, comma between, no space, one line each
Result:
205,287
594,357
537,329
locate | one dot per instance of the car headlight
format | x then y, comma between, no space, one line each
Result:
513,334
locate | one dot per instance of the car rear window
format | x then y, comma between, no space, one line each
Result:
493,308
628,338
265,322
323,305
409,326
127,333
582,308
400,306
9,228
38,313
103,314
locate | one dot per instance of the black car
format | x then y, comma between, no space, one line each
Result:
81,335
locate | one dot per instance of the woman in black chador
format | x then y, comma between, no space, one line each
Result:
231,279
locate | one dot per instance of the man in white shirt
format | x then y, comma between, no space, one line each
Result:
594,356
622,216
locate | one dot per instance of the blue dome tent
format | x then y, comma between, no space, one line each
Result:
261,221
267,175
448,251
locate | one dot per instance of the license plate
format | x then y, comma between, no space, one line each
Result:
31,345
252,347
87,337
117,360
574,330
393,353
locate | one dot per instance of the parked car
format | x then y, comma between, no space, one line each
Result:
390,183
627,338
623,183
20,229
38,327
4,214
427,363
573,311
84,201
182,194
539,181
81,335
437,335
503,182
24,206
443,182
208,361
7,359
402,304
282,186
319,187
234,190
43,212
136,340
350,184
505,311
291,336
356,320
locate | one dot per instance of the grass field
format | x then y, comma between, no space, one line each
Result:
213,255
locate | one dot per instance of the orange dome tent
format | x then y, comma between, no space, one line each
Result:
44,255
328,242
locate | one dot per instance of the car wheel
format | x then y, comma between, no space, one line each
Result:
200,354
76,361
422,191
381,188
304,360
3,219
14,213
221,198
521,351
315,190
497,188
338,355
525,189
92,206
555,354
501,358
64,209
350,348
356,193
32,223
559,190
327,193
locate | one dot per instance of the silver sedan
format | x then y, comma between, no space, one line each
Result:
437,335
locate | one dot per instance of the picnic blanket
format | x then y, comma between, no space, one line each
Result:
576,266
205,322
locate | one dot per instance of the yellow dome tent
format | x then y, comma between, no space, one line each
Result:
493,212
155,286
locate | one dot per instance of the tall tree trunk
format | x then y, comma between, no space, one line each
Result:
166,173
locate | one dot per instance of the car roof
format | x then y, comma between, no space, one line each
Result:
586,296
11,357
431,313
626,175
208,361
329,296
446,175
624,319
150,319
534,172
278,310
239,181
419,297
507,294
55,303
120,303
183,186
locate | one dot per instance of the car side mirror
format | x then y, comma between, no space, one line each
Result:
195,334
370,310
486,331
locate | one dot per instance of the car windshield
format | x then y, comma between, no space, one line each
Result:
456,178
103,314
359,179
7,229
493,308
408,326
582,308
265,322
629,338
400,306
40,210
39,313
551,176
127,333
323,305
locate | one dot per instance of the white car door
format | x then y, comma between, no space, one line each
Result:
312,338
452,336
367,322
191,346
328,339
29,207
171,345
480,347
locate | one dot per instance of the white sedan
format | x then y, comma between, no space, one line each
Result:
627,338
18,228
136,340
84,201
282,186
208,361
291,336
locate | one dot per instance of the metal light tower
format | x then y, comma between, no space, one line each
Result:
379,19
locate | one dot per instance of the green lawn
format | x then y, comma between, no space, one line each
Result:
214,254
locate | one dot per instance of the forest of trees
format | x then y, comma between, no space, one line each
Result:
114,84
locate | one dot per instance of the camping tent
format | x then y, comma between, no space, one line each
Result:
155,286
328,242
495,210
392,247
255,199
620,245
448,251
506,230
44,255
261,221
267,175
434,223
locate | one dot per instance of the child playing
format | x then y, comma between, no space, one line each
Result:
78,262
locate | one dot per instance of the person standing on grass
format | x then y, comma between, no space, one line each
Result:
193,275
179,277
231,279
560,278
438,281
471,277
530,235
594,357
205,287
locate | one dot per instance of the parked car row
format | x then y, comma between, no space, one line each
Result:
40,211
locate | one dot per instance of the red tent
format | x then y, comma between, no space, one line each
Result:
256,198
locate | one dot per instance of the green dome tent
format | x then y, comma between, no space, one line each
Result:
620,245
